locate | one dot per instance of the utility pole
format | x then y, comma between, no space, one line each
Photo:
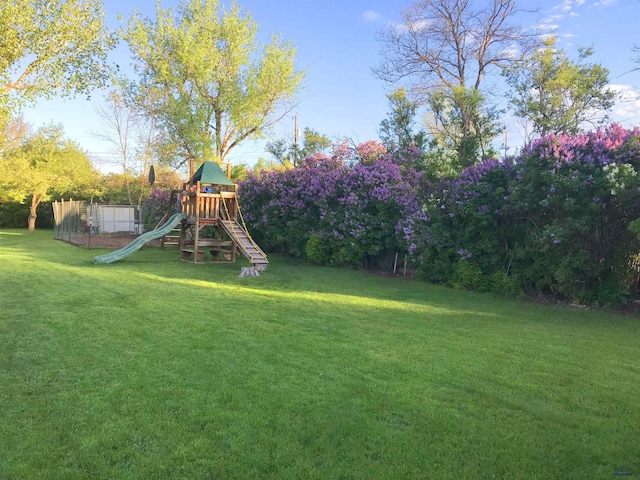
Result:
506,141
295,141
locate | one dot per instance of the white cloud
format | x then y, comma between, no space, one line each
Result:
370,16
548,27
604,3
568,5
626,111
565,6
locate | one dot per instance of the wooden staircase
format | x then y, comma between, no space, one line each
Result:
172,238
245,243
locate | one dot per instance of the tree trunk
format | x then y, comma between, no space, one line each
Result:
35,200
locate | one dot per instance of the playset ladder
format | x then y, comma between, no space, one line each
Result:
244,242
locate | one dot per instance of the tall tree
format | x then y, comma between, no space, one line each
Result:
14,131
281,151
211,84
396,131
45,164
118,125
51,47
553,94
449,115
444,47
313,142
284,151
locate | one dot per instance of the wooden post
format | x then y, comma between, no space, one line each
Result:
405,265
395,263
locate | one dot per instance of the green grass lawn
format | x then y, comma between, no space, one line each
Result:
155,368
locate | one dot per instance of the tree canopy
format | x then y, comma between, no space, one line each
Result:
51,48
289,154
554,94
445,48
45,164
205,78
396,131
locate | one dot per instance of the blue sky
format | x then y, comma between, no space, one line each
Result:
336,44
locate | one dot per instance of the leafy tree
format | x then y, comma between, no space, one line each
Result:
449,114
265,165
120,188
51,47
44,165
239,172
445,48
313,142
206,80
285,152
554,94
396,131
282,151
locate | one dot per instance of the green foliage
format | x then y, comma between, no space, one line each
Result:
312,143
634,227
204,78
396,131
51,47
289,155
122,189
560,220
239,172
45,165
263,165
463,126
467,275
557,95
318,252
16,215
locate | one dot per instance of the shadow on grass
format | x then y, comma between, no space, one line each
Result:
293,281
310,361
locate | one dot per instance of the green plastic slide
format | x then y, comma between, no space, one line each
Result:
141,240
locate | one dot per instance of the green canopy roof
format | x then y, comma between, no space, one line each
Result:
211,173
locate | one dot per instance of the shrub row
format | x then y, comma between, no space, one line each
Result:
562,218
332,214
556,220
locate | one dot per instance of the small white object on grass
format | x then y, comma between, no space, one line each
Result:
249,272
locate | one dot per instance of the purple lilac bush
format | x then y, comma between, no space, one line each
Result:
463,224
155,207
330,213
578,196
555,220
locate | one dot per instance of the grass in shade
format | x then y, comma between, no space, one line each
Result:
155,368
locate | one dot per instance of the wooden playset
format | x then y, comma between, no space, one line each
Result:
214,231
